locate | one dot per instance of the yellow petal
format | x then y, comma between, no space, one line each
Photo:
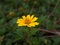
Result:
32,16
34,19
28,16
33,24
21,24
23,17
36,23
18,20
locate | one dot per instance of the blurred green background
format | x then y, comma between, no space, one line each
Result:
48,12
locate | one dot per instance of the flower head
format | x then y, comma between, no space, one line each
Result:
11,13
29,21
20,9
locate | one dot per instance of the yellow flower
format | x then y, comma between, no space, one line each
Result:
35,2
11,13
29,21
20,9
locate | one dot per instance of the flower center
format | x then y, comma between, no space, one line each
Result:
27,21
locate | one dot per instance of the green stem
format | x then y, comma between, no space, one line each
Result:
27,37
